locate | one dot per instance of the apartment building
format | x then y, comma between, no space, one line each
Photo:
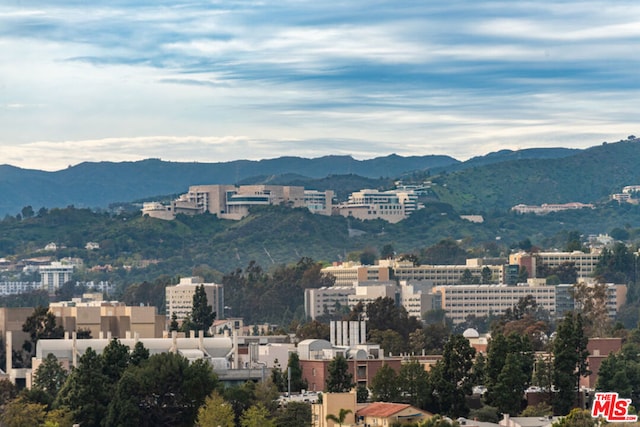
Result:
54,275
392,206
415,298
319,202
326,300
440,275
179,298
460,301
585,263
347,273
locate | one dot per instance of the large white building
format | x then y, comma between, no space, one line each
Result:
180,297
460,301
54,275
234,202
392,206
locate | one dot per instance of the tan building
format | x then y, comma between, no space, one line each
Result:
585,263
347,273
331,404
11,320
108,318
460,301
179,298
443,274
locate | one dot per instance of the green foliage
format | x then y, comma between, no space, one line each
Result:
202,315
384,385
40,325
21,413
362,393
577,418
451,378
293,366
85,392
49,377
339,379
295,414
570,361
340,418
413,384
620,372
256,416
215,412
163,390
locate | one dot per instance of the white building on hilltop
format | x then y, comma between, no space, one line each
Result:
54,275
392,206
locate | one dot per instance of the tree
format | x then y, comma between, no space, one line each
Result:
202,314
139,354
173,325
413,384
451,377
21,413
164,390
577,418
508,391
340,418
49,377
339,380
389,340
295,414
40,325
591,301
115,359
85,392
362,393
256,416
570,361
384,385
277,376
485,275
293,366
216,412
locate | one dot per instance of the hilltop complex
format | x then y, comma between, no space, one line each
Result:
234,202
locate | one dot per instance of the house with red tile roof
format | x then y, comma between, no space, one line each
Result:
385,414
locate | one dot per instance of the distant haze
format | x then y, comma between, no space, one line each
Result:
219,81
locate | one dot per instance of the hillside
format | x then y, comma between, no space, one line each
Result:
589,176
96,185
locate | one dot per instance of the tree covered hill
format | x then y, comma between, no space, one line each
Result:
96,185
589,176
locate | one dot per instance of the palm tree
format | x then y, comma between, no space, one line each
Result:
340,418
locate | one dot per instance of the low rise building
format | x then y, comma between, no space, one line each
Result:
392,206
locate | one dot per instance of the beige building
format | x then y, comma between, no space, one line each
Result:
325,300
443,274
460,301
332,403
585,263
108,318
234,202
392,206
347,273
179,298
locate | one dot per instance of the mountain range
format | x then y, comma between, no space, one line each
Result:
495,181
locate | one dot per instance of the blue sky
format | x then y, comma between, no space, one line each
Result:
224,80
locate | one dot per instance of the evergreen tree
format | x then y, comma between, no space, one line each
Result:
413,384
40,325
384,385
297,383
49,377
256,416
173,325
202,314
570,361
339,380
215,412
85,392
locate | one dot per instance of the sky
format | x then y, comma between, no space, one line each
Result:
214,81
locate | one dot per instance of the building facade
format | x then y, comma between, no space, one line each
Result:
179,298
54,275
392,206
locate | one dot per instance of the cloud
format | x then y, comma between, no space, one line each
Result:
125,80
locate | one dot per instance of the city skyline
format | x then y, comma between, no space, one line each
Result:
221,81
